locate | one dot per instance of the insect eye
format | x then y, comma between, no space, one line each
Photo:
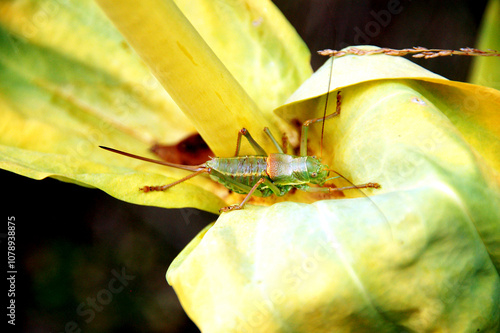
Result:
314,174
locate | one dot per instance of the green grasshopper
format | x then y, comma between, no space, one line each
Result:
262,174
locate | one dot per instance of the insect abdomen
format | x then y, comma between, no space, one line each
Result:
246,170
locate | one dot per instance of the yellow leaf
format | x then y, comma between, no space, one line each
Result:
355,264
254,37
69,83
471,108
73,53
192,74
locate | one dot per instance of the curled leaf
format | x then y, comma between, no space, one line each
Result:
423,254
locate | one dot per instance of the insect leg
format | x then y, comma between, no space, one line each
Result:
240,206
164,187
258,149
305,125
308,188
270,135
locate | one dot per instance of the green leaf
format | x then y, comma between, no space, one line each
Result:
52,53
58,105
486,70
69,83
422,254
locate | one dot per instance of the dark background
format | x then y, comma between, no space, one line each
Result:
70,238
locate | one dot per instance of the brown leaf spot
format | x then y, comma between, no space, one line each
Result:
190,151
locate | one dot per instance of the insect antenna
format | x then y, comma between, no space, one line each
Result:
193,168
326,107
330,9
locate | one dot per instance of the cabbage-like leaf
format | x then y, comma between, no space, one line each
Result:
422,254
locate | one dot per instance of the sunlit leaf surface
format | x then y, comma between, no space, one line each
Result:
70,83
422,255
198,80
260,41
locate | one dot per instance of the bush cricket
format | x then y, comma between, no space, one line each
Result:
263,174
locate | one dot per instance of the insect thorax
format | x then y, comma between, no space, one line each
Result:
294,170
